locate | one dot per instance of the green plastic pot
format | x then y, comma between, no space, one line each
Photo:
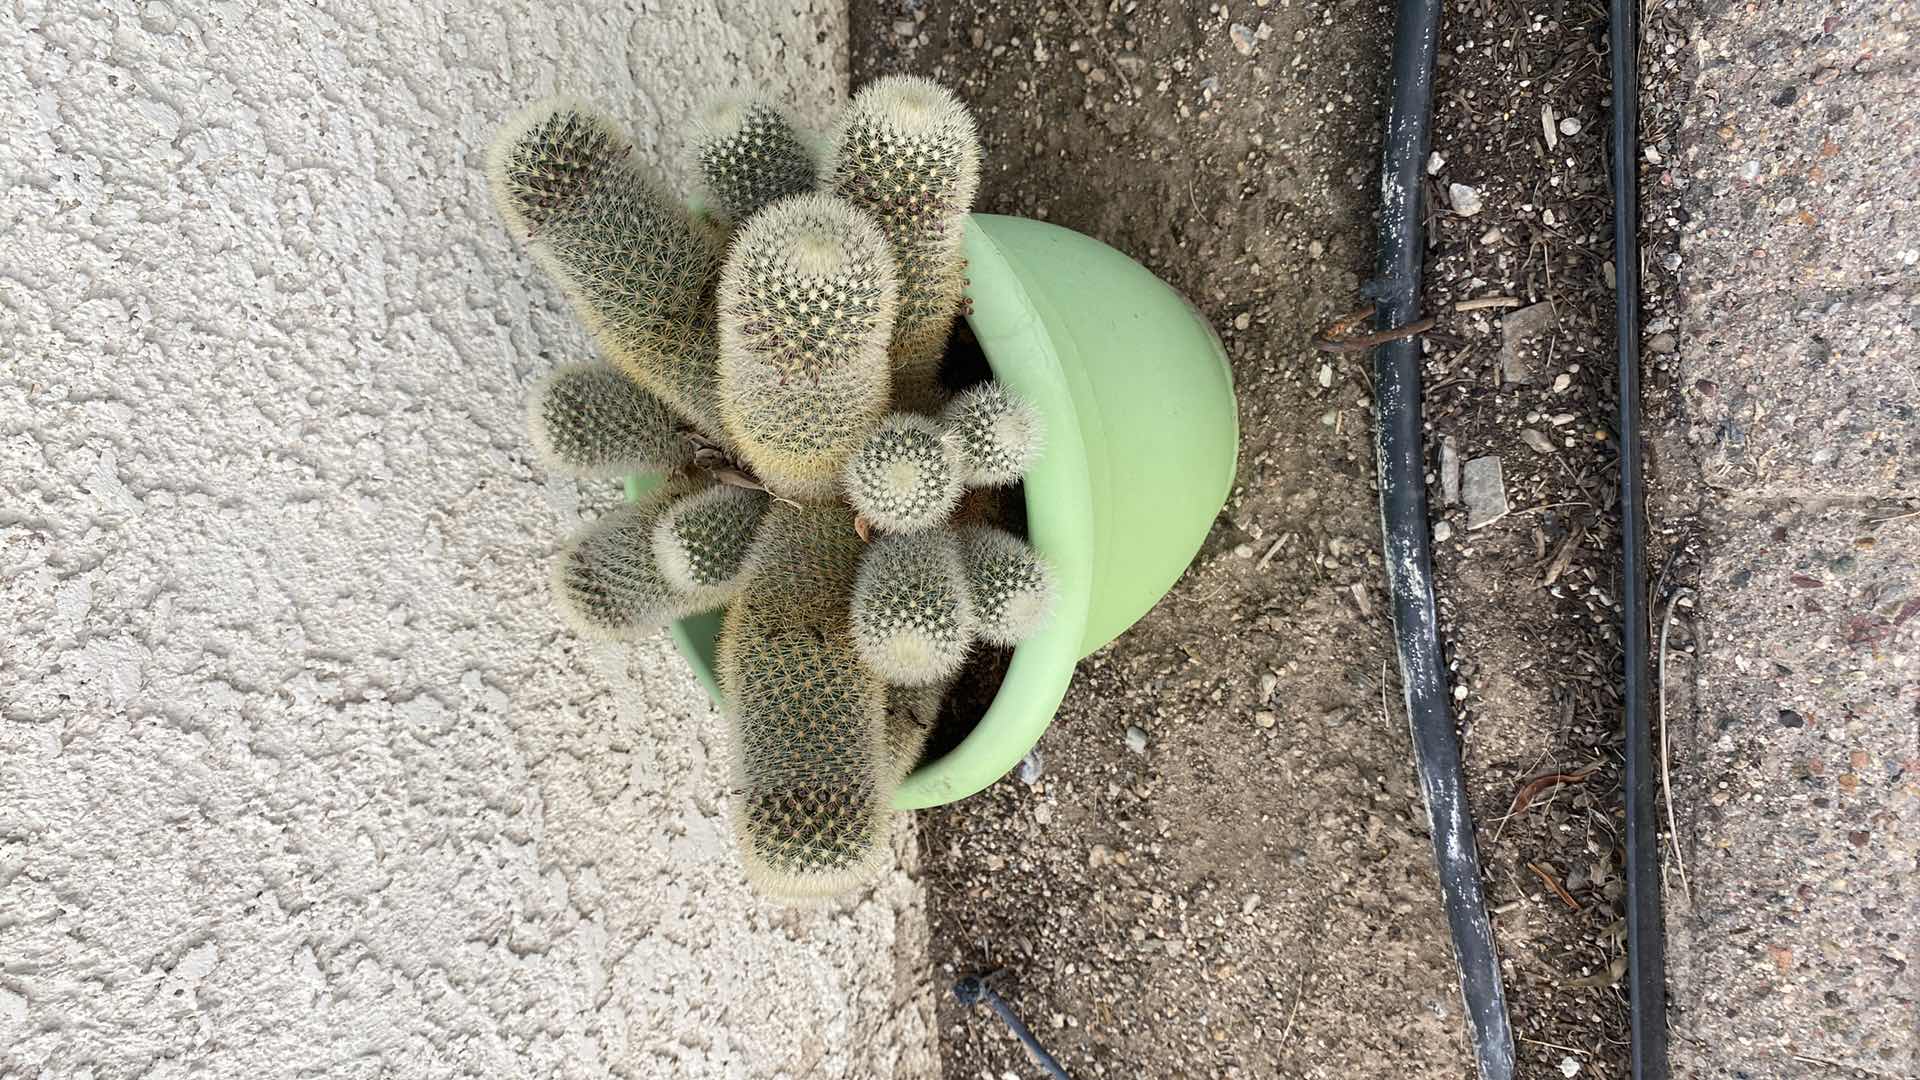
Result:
1142,435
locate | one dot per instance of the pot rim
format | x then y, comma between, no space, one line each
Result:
1011,327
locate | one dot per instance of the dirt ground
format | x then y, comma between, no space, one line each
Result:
1251,894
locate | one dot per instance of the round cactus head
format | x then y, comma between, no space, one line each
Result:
552,160
998,433
1012,586
907,149
906,477
806,308
912,618
591,421
701,541
751,154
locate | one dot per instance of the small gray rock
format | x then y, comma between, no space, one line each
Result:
1465,200
1136,739
1515,331
1242,38
1031,767
1664,344
1449,470
1539,442
1442,532
1484,488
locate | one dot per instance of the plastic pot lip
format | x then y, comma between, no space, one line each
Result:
1030,361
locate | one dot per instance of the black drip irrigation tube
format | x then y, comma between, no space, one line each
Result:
1646,943
1404,529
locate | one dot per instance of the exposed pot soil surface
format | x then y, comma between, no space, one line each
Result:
1219,865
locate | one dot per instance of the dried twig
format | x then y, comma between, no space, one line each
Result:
1479,302
1363,342
1539,784
1565,896
1666,753
1271,552
1554,1046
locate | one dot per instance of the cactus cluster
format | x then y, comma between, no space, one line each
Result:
777,360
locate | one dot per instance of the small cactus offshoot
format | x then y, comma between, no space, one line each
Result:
999,435
591,421
700,542
912,616
777,358
1012,587
751,154
606,579
906,477
806,306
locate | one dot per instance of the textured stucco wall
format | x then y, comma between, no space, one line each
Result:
299,775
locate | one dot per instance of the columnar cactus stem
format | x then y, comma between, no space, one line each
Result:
638,269
750,155
912,616
813,767
1012,587
806,306
593,422
907,151
606,580
998,434
700,542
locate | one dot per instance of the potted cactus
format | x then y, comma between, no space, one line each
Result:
802,463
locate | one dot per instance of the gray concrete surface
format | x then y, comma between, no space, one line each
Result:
1792,954
299,774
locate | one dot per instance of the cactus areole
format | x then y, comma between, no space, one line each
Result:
1141,438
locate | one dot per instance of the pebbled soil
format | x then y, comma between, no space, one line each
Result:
1251,893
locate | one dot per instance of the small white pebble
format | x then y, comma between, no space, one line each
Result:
1136,739
1569,126
1434,162
1442,532
1326,375
1561,382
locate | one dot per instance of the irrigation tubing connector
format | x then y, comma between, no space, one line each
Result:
1404,530
974,989
1646,945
